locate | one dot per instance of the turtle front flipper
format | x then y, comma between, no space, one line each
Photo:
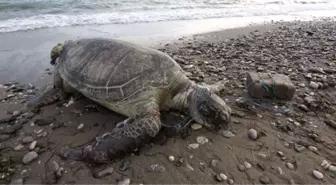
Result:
128,136
48,96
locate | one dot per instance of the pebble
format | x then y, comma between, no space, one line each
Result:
223,176
105,172
4,137
241,167
32,145
171,158
17,182
332,168
193,145
80,126
55,166
290,166
27,139
19,147
303,107
252,134
126,181
313,85
231,181
312,148
299,148
247,165
202,140
318,174
29,157
227,134
264,179
60,172
302,85
280,153
196,126
157,168
262,155
324,163
280,170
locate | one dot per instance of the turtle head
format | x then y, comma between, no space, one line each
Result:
208,109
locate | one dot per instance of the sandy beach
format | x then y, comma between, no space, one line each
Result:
290,147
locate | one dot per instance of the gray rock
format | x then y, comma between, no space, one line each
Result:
4,137
252,134
27,139
303,107
29,157
126,181
241,167
257,88
313,85
227,134
264,179
156,168
290,166
331,123
17,182
105,172
299,148
202,140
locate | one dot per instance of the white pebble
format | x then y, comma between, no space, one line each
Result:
318,174
202,140
19,147
290,166
247,165
171,158
223,176
29,157
313,85
80,126
196,126
324,162
252,134
126,181
193,145
332,168
280,153
262,155
312,148
32,145
280,171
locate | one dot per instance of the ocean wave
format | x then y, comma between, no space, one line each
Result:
132,11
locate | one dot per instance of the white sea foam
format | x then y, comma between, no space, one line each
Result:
131,11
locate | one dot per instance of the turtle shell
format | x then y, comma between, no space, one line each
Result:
113,70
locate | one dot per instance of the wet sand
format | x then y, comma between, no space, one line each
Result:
292,49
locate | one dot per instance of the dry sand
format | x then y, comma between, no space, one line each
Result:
224,51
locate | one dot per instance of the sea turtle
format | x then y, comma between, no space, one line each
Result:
134,81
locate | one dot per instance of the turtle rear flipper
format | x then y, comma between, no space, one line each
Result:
128,136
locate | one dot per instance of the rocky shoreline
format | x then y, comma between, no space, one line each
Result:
270,142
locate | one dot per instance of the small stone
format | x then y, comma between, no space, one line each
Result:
193,145
313,85
241,167
55,166
27,139
280,170
4,137
223,176
29,157
105,172
299,148
318,174
290,166
261,166
297,123
262,155
19,147
218,178
303,107
80,126
171,158
32,145
252,134
17,182
59,172
196,126
280,153
126,181
264,179
302,85
247,165
332,168
15,113
227,134
312,148
324,163
230,181
157,168
202,140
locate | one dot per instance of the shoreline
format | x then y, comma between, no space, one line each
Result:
25,54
